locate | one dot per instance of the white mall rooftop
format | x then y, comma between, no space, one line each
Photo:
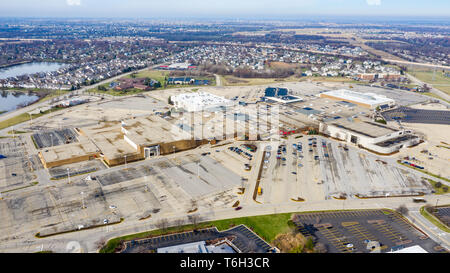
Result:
368,99
198,101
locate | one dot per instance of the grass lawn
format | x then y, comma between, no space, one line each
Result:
434,96
22,118
433,219
427,76
440,82
438,190
266,226
234,81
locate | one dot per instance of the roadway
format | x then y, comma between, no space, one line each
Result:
433,90
80,91
88,239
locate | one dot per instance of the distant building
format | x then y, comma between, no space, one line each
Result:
197,247
370,135
411,249
186,80
179,66
199,101
368,100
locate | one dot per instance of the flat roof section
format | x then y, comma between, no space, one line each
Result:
69,151
371,99
365,128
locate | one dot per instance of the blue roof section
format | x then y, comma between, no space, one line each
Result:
307,111
275,92
343,102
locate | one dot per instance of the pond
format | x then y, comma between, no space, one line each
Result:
10,100
28,68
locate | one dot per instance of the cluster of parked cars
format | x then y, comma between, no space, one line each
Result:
241,152
413,165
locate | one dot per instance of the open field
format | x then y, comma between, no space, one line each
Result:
235,81
437,79
159,75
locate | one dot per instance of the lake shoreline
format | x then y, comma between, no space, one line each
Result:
39,95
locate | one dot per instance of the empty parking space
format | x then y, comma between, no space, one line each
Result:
16,166
350,173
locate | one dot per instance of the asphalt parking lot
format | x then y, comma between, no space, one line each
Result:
354,173
443,213
15,165
76,169
54,138
240,236
357,231
410,115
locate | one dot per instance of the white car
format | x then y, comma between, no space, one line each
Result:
112,207
105,221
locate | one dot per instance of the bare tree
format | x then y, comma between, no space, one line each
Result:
403,210
194,219
162,224
100,243
179,222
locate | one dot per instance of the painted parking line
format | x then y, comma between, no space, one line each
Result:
334,237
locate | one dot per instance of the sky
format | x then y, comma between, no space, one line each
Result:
222,8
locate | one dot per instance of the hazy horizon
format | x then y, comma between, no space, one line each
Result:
288,9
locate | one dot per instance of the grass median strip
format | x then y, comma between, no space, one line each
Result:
433,219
